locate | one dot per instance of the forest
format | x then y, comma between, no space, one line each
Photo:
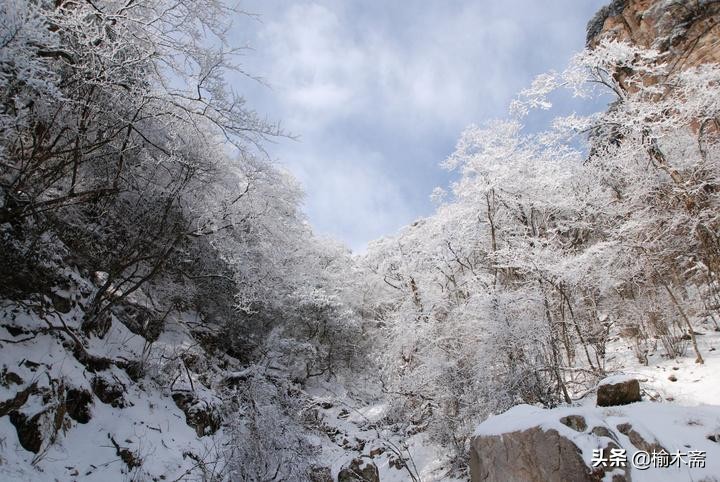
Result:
153,255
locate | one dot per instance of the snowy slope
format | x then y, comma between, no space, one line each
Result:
92,416
680,412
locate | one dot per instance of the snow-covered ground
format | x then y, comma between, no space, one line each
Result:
139,434
678,380
356,430
677,429
680,412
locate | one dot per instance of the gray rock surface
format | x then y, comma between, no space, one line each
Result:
359,470
532,455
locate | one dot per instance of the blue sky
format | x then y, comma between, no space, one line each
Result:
379,91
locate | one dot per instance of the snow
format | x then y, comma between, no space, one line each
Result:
682,417
674,427
695,383
150,424
152,427
547,246
355,422
617,378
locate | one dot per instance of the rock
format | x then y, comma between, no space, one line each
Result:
672,378
199,414
18,400
61,303
359,470
621,392
638,441
604,469
28,430
139,319
39,419
109,391
91,362
532,455
685,33
377,451
575,422
667,26
8,378
595,26
603,432
320,474
529,444
78,403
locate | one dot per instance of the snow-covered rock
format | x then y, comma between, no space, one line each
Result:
618,390
534,454
528,443
359,470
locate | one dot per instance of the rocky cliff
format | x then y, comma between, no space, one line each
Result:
686,32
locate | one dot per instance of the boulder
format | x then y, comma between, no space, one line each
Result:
109,391
202,415
531,444
575,422
61,302
139,319
359,470
532,455
78,403
638,441
29,430
612,392
320,474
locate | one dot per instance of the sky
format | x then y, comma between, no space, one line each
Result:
377,92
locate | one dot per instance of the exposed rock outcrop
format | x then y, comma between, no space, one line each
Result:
685,33
575,422
109,391
29,430
200,414
533,455
620,392
320,474
78,403
532,444
359,470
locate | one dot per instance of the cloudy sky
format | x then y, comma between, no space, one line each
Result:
378,91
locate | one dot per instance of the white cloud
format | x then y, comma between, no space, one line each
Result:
379,90
352,200
322,66
311,63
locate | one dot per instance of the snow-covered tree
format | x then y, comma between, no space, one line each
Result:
553,240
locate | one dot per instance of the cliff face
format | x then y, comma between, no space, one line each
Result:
687,32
